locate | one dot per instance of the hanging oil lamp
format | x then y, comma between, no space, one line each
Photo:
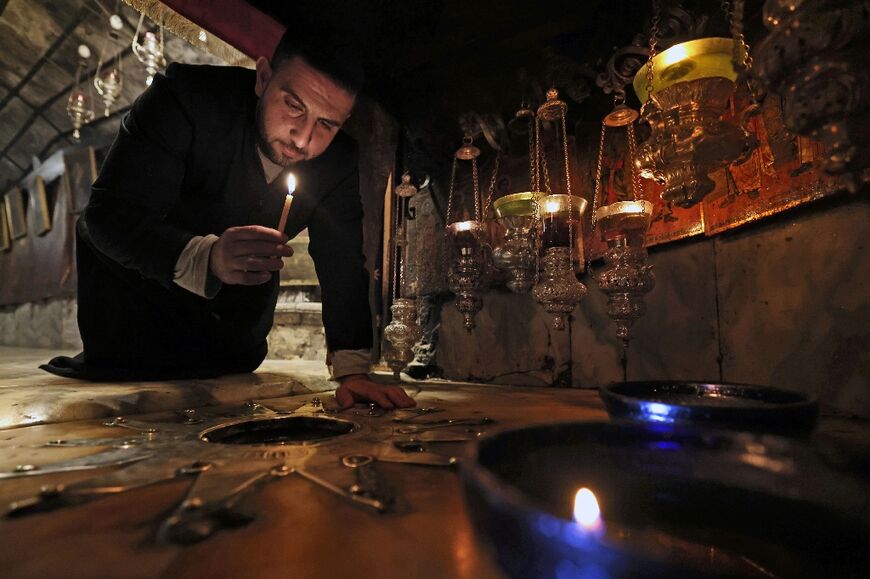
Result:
403,331
465,276
626,277
149,51
517,214
686,90
108,78
79,106
557,289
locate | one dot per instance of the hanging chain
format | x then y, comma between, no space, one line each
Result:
403,204
396,277
636,184
450,192
545,170
596,199
537,154
741,59
653,43
476,190
567,166
492,181
533,157
572,225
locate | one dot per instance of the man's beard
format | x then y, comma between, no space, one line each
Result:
266,147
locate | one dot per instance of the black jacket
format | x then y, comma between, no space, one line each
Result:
185,163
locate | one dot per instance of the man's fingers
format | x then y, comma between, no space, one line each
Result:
256,233
246,248
343,397
250,277
400,398
377,396
257,264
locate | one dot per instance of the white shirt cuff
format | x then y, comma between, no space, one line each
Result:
346,362
191,269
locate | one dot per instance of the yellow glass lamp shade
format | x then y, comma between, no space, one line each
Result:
516,204
702,58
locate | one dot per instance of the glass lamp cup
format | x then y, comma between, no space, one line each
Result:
625,220
559,213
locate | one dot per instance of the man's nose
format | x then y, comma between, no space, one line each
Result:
303,132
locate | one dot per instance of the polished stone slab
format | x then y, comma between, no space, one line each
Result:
29,395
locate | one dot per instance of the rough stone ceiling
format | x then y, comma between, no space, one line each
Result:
38,43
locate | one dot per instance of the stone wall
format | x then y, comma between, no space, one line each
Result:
783,302
296,335
49,323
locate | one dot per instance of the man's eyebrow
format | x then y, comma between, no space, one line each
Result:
332,122
289,91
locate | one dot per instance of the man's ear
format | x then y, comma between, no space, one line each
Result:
264,75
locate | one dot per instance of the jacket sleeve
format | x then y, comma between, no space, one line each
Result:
140,182
335,245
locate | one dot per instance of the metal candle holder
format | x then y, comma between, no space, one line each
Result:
557,290
403,331
685,101
465,277
626,277
518,254
149,51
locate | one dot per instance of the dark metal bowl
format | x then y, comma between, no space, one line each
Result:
676,503
739,406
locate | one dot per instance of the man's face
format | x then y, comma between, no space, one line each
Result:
299,112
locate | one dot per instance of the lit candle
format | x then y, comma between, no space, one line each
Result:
288,201
557,232
650,544
587,513
465,233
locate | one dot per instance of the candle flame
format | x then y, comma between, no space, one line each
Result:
464,226
675,54
551,206
587,513
291,183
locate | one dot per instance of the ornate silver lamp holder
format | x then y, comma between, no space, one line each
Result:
685,102
558,291
626,277
79,106
465,276
402,332
149,51
518,254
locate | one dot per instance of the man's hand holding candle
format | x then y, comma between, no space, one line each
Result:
248,255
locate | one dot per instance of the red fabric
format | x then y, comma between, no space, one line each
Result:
235,22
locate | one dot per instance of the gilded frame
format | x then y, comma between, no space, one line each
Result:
16,214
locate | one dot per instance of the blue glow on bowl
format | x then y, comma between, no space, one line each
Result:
658,412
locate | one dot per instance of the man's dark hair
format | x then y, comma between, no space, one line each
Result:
332,52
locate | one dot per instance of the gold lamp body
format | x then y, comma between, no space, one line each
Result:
689,94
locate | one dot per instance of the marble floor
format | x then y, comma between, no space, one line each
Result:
29,395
